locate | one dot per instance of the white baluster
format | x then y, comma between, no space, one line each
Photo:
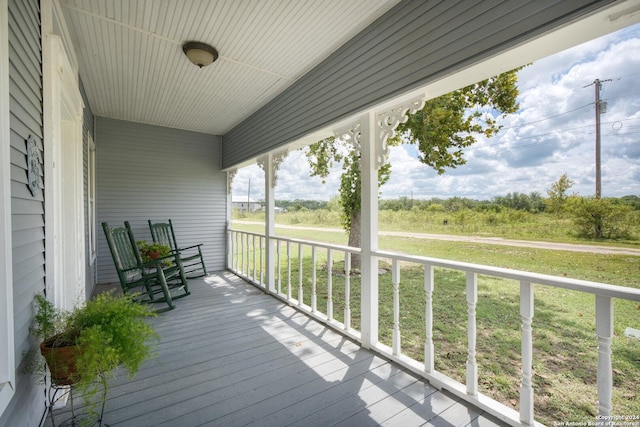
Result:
279,290
428,345
254,261
260,262
288,271
242,239
526,388
234,247
299,274
329,284
472,366
395,279
604,331
314,296
347,291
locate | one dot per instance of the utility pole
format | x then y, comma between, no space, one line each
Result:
601,108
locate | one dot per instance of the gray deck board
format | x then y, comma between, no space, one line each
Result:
229,355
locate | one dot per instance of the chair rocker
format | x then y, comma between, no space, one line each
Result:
158,281
192,262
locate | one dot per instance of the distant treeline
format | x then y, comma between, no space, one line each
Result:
532,202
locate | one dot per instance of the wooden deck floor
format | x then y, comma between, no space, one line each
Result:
229,355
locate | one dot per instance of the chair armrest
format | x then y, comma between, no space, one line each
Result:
190,247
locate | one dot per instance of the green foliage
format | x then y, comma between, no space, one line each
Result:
599,218
447,124
298,204
441,130
50,322
558,194
115,325
322,155
149,252
633,201
110,330
523,202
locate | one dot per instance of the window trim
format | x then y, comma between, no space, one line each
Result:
91,196
7,344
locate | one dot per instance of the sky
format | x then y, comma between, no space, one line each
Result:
551,134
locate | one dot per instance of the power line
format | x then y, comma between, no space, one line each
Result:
546,118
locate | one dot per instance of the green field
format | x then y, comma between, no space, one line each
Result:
565,345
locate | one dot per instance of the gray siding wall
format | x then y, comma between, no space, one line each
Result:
415,43
27,211
150,172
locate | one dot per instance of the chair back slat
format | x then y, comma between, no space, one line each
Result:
124,252
163,233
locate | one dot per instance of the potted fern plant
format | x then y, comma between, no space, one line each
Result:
149,252
106,332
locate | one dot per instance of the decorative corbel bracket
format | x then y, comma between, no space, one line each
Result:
388,121
276,161
230,175
351,134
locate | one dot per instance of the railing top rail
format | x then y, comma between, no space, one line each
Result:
595,288
332,246
250,233
603,289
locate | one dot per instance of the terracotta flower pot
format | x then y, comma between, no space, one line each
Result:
61,361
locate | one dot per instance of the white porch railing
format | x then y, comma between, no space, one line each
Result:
296,261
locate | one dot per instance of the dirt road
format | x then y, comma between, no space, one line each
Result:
472,239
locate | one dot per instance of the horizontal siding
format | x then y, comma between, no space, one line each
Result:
25,120
27,210
415,43
148,172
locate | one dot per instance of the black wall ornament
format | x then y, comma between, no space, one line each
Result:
34,166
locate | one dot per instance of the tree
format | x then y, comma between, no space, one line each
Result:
441,130
599,218
558,194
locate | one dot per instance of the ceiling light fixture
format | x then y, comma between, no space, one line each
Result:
200,54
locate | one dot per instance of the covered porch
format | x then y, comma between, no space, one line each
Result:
232,355
148,135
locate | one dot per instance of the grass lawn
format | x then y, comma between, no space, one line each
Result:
565,344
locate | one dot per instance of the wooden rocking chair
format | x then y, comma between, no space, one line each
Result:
192,262
158,281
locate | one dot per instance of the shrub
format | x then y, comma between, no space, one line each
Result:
599,218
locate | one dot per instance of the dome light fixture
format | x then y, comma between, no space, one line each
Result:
201,54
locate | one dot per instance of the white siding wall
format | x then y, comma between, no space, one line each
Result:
150,172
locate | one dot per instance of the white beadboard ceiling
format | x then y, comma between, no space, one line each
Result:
132,66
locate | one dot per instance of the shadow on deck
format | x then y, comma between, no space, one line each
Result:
230,355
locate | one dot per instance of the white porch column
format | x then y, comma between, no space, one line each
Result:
369,241
369,136
270,164
230,175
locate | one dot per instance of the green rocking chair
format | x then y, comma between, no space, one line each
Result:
158,281
192,262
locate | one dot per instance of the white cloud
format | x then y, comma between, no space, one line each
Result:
553,133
